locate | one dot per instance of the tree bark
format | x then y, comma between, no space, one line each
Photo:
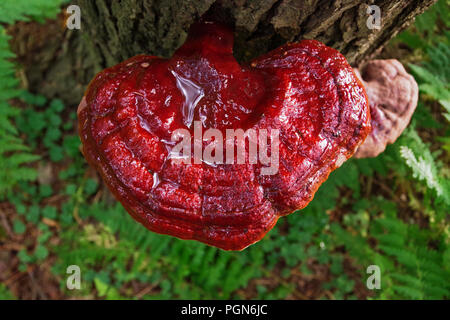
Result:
113,31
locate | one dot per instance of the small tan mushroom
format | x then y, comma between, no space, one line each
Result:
392,94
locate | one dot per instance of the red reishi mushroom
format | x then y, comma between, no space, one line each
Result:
306,90
393,95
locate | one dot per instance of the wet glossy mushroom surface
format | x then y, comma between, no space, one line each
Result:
306,91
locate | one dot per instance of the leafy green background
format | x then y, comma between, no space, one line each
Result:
390,211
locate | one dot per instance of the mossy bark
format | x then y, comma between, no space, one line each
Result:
112,31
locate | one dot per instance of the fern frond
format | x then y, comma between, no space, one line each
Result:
434,75
13,153
25,10
422,169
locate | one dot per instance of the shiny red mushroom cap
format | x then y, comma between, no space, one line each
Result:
305,91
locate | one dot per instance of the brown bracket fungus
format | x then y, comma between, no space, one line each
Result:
392,94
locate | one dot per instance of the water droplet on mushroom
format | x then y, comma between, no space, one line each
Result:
168,145
156,180
167,101
192,95
143,123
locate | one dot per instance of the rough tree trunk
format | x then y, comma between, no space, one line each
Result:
115,30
